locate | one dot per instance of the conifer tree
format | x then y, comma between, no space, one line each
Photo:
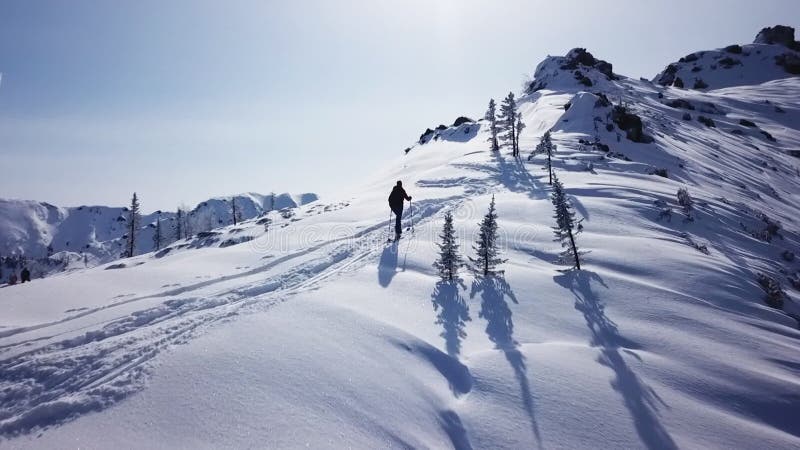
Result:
491,116
157,238
520,127
134,218
486,246
234,212
179,224
566,227
546,147
449,259
508,122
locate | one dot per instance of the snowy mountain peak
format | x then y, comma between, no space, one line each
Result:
577,68
773,55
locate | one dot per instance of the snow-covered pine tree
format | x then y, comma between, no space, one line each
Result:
491,116
134,218
486,246
566,228
157,238
449,260
508,122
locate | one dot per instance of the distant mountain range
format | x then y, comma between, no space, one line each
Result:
36,229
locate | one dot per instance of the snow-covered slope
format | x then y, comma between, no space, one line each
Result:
773,55
28,228
312,331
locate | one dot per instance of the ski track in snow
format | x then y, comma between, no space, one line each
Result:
61,379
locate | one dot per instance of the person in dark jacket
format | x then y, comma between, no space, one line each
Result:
25,275
396,199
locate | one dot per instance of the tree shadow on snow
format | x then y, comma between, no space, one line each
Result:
387,267
641,400
513,175
452,314
500,330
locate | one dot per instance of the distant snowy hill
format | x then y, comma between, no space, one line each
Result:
307,328
774,55
28,227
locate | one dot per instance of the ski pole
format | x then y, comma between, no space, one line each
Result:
411,208
390,224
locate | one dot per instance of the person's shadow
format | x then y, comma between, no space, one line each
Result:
387,267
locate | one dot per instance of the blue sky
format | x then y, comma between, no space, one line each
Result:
183,100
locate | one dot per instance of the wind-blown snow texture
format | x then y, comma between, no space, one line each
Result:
318,333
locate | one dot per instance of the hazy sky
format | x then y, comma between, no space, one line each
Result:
183,100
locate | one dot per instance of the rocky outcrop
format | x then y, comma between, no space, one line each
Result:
779,34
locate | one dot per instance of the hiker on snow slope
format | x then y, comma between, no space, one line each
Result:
396,205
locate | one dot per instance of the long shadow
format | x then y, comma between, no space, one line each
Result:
641,400
452,314
513,175
387,267
516,178
500,330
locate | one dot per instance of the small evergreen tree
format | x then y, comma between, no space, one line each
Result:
685,200
491,116
486,246
520,127
157,238
508,122
234,213
566,228
546,147
179,224
449,260
134,217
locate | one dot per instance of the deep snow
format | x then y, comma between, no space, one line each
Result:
318,333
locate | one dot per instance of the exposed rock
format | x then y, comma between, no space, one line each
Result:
779,34
678,83
580,57
728,62
602,100
700,84
790,63
768,136
424,136
746,123
668,76
630,123
680,103
736,49
706,121
461,120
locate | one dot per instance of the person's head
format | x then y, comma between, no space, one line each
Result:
399,183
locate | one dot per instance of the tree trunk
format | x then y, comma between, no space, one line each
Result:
574,249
